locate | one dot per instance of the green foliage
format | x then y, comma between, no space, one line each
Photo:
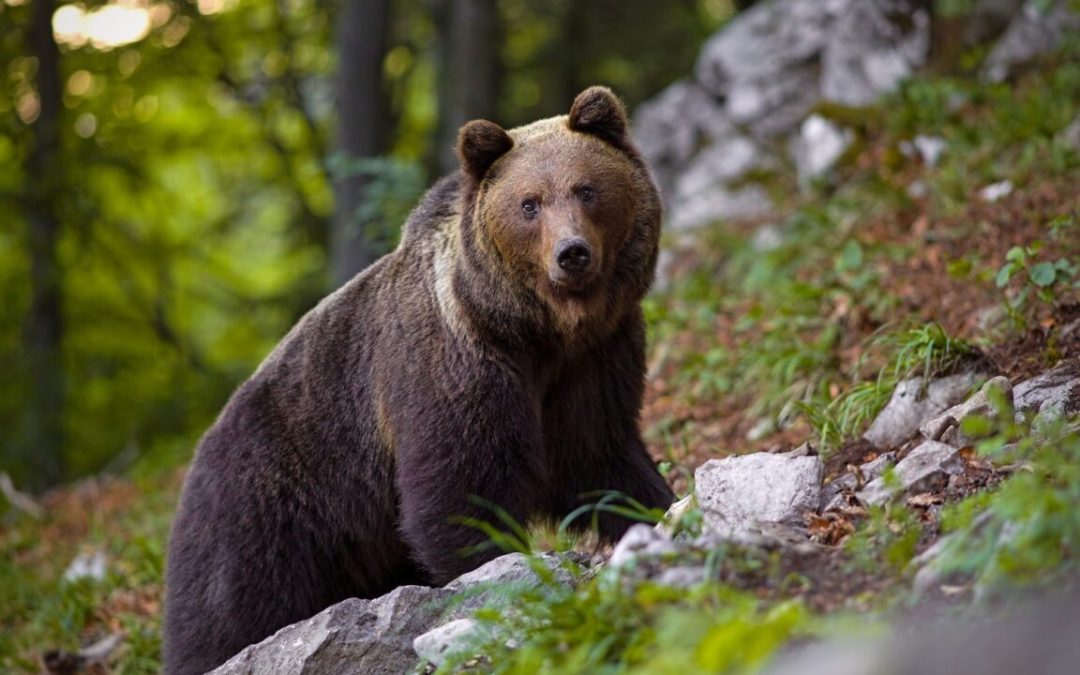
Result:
887,539
392,188
1028,530
608,625
1041,279
925,350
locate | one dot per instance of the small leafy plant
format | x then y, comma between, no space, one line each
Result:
1039,279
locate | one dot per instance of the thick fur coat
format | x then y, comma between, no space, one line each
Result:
497,353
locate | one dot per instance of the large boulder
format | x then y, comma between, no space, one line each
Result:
376,636
739,494
354,636
1038,29
753,86
874,46
763,64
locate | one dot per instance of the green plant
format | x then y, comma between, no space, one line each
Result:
609,625
889,537
1028,530
925,350
1039,279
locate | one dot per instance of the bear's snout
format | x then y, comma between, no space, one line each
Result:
574,256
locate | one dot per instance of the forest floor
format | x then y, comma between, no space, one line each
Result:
766,335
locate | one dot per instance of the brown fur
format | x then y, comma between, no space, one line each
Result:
468,362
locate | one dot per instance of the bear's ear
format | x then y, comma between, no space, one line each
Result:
479,144
599,112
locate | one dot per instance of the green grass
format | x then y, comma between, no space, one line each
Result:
925,351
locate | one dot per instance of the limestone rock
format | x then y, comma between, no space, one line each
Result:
737,493
995,191
874,45
1038,29
1054,392
705,190
926,467
763,62
909,406
354,636
670,128
832,495
514,568
640,540
435,644
818,146
946,426
376,636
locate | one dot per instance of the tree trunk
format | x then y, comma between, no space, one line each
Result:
468,59
363,127
42,434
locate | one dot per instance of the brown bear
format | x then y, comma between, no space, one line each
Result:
497,354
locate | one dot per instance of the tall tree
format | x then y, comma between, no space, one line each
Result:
363,128
468,58
42,438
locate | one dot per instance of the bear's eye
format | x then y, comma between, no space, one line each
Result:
530,207
586,193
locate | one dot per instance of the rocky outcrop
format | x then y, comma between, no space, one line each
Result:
745,110
1038,29
755,82
915,401
370,637
353,636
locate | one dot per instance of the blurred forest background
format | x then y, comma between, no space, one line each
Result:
183,179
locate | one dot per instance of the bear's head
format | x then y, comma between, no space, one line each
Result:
563,214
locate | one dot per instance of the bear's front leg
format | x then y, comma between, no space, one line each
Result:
465,446
591,428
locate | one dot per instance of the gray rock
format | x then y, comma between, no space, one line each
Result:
1035,31
670,129
928,149
909,406
434,645
707,206
90,565
376,636
832,495
768,237
946,426
1054,392
926,467
818,146
354,636
874,45
738,493
995,191
763,62
682,576
640,541
704,190
514,568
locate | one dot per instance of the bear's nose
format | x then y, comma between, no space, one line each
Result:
574,255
